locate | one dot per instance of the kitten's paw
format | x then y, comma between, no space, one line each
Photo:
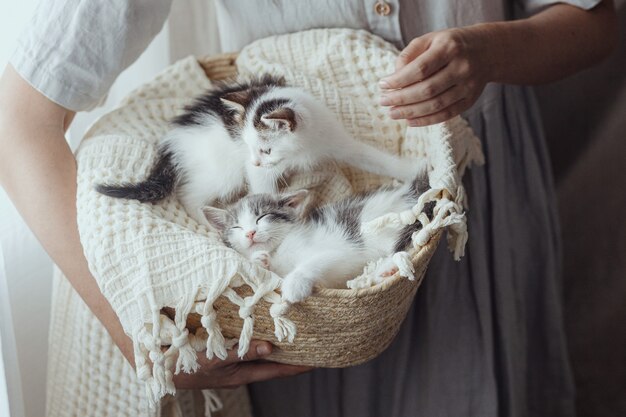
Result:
296,289
385,269
262,258
389,272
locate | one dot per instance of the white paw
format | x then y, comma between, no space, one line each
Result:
261,257
295,289
388,272
385,269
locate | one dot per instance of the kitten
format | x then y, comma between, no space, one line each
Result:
325,246
251,133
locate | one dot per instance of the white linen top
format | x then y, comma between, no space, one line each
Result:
72,50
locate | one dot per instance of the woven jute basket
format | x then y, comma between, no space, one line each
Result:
336,328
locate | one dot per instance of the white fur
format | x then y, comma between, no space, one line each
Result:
321,255
379,204
213,165
319,136
316,256
307,254
216,167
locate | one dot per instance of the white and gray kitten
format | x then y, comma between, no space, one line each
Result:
322,247
251,133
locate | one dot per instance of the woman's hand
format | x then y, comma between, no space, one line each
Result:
441,74
438,76
233,372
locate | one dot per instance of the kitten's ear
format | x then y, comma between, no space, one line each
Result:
281,119
237,100
298,201
218,218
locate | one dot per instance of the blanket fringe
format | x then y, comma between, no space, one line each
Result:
284,329
187,360
157,365
212,402
215,340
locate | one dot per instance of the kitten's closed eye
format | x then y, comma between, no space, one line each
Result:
273,215
262,216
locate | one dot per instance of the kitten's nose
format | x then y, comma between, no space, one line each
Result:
256,162
250,234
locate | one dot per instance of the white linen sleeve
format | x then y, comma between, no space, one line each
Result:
72,50
534,6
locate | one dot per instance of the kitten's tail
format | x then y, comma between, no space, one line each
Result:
159,184
420,184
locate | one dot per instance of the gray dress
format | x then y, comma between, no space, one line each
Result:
485,335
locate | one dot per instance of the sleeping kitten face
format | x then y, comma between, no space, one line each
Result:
259,221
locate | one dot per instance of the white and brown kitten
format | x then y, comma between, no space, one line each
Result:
323,247
251,133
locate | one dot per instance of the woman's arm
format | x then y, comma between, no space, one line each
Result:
442,74
38,172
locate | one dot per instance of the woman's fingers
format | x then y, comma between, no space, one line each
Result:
258,349
429,106
233,371
420,91
414,49
438,76
422,67
247,373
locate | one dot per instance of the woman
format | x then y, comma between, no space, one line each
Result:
485,335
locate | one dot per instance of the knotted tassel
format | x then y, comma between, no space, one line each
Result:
141,356
403,218
212,402
158,373
187,360
153,392
404,264
198,340
246,313
283,327
215,339
170,388
457,236
380,223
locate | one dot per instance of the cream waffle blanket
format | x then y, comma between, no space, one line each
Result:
148,256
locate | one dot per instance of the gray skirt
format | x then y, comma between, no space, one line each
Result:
485,335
